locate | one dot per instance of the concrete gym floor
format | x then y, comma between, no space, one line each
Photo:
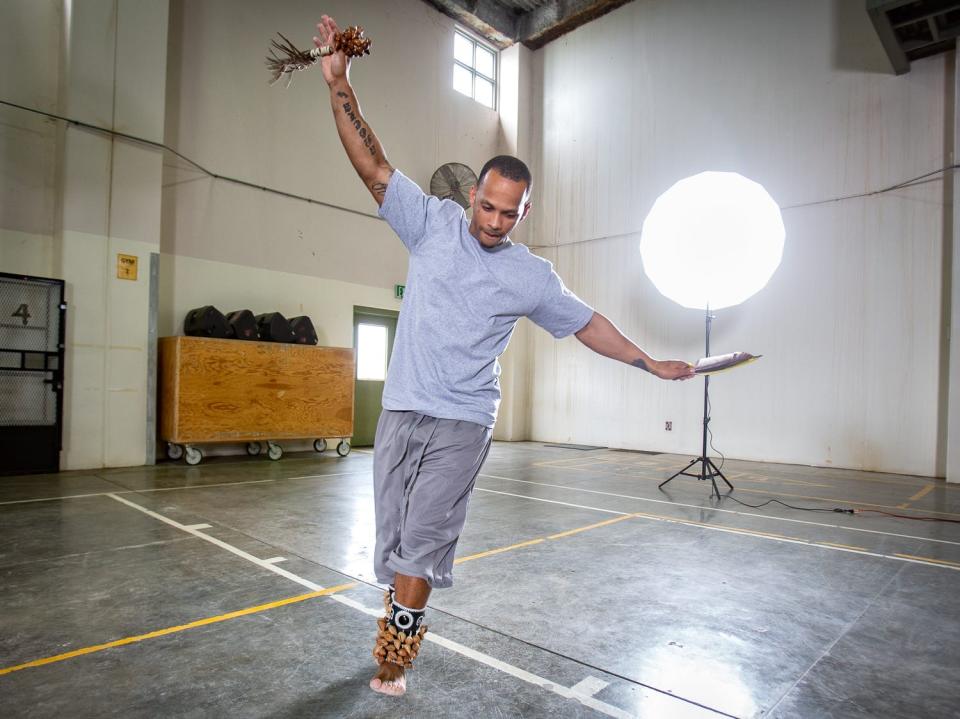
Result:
240,588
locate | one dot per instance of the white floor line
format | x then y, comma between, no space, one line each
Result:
590,686
502,666
565,692
275,560
192,486
51,499
553,501
175,489
733,530
223,545
197,526
321,476
134,491
727,511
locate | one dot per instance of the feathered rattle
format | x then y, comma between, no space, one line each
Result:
291,58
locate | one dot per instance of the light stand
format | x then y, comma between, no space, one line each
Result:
708,470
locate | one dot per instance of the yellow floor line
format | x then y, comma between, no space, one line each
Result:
757,532
560,462
840,500
273,605
668,464
781,481
179,628
491,552
929,559
843,546
922,493
590,526
460,560
628,469
695,523
735,530
799,540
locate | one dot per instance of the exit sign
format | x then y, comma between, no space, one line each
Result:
398,291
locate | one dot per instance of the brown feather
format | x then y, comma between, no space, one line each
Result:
285,58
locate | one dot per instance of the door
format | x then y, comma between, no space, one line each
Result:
373,334
32,314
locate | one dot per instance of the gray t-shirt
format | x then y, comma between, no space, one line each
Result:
460,306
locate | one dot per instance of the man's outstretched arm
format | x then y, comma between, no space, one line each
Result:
603,337
362,146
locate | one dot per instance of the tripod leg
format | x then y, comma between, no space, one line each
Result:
692,462
720,474
715,490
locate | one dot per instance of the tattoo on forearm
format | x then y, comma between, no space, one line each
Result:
641,364
365,133
341,93
379,189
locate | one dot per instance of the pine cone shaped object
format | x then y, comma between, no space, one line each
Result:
285,58
395,646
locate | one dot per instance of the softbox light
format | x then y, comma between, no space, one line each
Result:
713,239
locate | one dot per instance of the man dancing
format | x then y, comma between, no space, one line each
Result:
467,286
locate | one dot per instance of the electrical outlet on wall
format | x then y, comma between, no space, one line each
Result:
669,426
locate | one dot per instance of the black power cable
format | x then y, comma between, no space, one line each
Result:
838,510
904,516
913,181
193,163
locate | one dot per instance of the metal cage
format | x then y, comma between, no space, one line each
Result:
32,324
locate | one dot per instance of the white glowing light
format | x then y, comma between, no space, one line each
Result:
713,239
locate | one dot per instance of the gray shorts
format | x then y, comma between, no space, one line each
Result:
424,470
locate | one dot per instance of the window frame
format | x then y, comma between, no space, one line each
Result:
474,73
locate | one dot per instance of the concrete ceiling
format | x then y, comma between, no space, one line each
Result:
532,22
913,29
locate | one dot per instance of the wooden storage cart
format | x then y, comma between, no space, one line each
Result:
214,390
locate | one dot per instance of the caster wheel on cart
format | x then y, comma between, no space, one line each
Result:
274,451
194,456
343,449
320,445
174,451
253,448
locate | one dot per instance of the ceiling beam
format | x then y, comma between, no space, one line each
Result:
546,23
504,26
488,18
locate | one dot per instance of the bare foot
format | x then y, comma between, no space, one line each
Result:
390,680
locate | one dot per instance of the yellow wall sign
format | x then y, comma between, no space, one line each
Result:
126,267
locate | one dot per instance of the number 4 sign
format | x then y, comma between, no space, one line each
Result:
23,312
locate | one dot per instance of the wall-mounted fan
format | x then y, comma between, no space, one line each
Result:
453,181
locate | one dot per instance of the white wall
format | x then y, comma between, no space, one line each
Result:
516,105
951,433
222,113
797,96
28,141
74,198
71,198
